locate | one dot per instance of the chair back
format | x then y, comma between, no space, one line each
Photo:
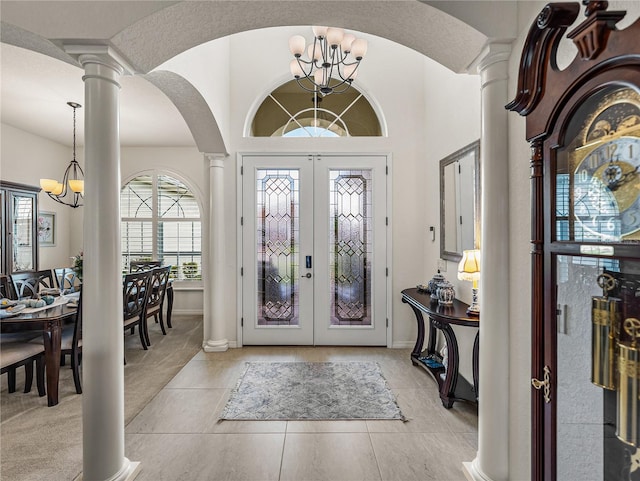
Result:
137,266
6,289
157,287
67,279
27,284
77,328
135,291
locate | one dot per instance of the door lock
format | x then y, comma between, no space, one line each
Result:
307,275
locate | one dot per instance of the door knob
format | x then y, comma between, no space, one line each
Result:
307,275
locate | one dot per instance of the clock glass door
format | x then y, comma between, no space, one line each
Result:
593,318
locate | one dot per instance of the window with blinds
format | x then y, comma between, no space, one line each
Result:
161,221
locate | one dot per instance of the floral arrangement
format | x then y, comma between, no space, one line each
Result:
77,264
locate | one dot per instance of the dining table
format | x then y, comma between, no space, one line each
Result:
50,321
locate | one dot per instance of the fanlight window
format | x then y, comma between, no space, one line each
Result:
161,221
289,111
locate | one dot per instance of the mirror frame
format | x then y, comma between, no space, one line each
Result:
475,148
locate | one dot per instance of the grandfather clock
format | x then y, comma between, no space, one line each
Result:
583,123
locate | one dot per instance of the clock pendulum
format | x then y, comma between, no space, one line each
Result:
605,321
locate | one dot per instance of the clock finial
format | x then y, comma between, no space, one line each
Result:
594,6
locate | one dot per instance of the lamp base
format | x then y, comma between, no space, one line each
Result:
474,308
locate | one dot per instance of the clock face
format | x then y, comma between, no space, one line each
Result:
598,172
607,189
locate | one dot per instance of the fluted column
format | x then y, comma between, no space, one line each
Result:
215,336
492,460
102,343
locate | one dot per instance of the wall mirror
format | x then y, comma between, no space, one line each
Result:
460,202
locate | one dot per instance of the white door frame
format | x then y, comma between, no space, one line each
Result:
239,232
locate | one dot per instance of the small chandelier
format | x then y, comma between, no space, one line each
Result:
71,190
332,63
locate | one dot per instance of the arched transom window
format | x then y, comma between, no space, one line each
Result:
290,111
161,221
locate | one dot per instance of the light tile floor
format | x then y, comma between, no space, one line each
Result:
177,435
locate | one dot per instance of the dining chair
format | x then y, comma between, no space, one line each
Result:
135,291
66,279
16,354
27,284
72,345
137,266
157,289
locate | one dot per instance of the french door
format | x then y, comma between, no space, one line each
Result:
314,250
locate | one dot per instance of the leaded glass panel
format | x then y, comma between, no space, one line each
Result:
350,246
278,225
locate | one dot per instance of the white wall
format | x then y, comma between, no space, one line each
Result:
25,158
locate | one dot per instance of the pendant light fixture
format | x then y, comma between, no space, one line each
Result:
332,60
71,190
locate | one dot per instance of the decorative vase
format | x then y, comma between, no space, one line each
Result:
433,285
446,293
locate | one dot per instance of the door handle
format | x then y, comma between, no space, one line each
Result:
307,275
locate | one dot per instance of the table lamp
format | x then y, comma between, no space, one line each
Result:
469,270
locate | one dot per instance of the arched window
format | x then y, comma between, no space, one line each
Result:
161,221
290,111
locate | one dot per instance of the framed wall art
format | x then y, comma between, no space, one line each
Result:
47,229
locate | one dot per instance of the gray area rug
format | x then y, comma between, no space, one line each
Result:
312,391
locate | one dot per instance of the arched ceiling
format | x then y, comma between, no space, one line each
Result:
148,33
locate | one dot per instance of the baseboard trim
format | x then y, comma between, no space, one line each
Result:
403,344
187,312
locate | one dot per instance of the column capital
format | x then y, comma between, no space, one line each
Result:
216,159
100,54
493,62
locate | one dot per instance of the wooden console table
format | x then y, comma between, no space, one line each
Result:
452,386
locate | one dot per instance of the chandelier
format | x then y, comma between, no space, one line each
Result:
71,190
332,60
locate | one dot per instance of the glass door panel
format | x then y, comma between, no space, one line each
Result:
350,209
598,363
23,239
277,234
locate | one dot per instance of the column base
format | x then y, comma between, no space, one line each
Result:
473,473
128,472
215,346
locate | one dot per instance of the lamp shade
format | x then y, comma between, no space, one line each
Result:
359,48
295,68
469,266
296,45
76,185
48,184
